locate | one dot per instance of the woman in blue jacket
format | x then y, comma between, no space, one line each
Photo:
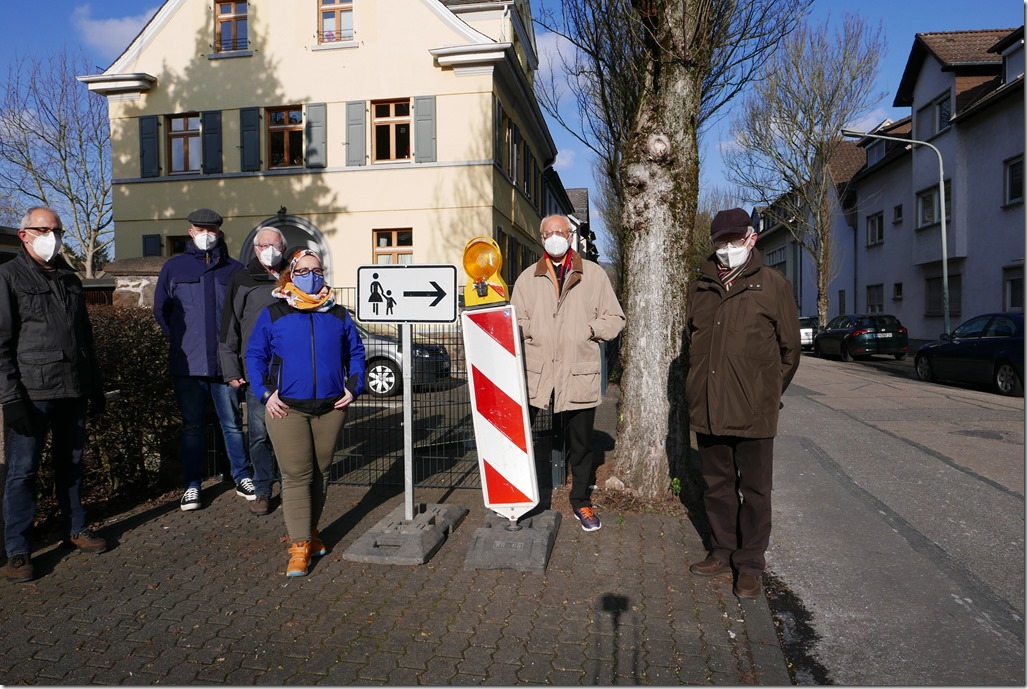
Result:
305,361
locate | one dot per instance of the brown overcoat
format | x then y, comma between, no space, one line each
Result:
561,331
744,349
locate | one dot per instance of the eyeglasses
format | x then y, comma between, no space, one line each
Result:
262,247
562,233
307,271
737,243
47,230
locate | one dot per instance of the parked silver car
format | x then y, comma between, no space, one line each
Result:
384,355
808,326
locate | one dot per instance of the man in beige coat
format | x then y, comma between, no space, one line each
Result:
566,307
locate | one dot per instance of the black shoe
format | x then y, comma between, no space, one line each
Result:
190,500
245,489
19,569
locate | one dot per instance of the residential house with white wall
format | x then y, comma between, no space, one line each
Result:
390,131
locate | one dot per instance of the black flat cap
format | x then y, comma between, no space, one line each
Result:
205,217
733,221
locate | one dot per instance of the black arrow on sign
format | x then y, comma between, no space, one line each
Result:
438,293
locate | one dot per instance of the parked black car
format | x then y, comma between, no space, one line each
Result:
862,334
987,350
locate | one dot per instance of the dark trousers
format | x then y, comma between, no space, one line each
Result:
578,425
65,421
740,530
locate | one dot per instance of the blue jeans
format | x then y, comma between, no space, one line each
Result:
192,393
261,452
65,419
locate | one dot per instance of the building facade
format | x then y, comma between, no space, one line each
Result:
378,132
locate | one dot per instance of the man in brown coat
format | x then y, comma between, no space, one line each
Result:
744,348
565,308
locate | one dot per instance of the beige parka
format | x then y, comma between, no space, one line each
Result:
562,331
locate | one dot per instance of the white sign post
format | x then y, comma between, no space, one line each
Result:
406,294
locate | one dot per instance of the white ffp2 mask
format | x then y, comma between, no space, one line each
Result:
46,246
733,256
556,245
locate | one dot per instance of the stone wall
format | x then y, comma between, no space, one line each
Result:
135,280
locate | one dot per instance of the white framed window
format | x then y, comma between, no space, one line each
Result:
928,206
335,21
285,136
1013,180
897,214
897,291
934,117
394,247
1013,289
875,300
875,229
933,295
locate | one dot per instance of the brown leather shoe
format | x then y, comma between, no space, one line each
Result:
748,586
19,569
89,542
709,567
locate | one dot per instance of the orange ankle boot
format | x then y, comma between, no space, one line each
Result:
299,559
317,547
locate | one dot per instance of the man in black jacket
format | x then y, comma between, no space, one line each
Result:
48,373
248,293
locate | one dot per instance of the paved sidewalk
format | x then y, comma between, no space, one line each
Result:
202,598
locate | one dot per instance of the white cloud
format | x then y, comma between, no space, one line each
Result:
554,52
107,37
565,160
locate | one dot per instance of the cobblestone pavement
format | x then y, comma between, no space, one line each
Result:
202,598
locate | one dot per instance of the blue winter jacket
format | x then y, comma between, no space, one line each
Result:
187,305
307,356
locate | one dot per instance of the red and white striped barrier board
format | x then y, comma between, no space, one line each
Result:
499,408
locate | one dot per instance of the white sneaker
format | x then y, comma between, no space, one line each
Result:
245,489
190,500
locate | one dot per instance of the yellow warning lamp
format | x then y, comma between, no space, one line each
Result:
482,263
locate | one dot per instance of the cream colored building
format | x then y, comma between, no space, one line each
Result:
381,131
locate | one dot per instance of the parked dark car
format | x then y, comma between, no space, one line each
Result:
987,350
384,356
808,326
862,334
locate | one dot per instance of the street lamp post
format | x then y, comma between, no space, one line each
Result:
942,210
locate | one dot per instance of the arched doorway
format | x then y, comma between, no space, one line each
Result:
299,233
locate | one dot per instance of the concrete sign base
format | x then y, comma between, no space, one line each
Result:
396,541
527,549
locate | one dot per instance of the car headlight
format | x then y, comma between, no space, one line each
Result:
423,353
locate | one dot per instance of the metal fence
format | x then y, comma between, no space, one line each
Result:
370,447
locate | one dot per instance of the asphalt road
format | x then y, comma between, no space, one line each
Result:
899,524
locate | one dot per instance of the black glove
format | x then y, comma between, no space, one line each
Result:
17,418
97,404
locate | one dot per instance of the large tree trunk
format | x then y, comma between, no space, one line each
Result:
661,173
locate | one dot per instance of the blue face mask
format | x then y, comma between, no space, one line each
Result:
311,283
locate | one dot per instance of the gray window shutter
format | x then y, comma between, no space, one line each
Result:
497,131
250,139
151,245
424,129
317,135
355,133
149,160
211,124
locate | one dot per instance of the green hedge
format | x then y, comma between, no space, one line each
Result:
128,449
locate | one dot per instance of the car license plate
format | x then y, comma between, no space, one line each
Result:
883,334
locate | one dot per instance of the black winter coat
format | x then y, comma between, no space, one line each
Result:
46,341
248,293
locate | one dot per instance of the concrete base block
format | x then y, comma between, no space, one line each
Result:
528,549
396,541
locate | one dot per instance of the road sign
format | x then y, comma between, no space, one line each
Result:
499,405
407,293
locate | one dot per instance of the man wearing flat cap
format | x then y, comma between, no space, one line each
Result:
743,331
187,304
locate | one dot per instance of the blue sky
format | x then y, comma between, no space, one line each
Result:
104,28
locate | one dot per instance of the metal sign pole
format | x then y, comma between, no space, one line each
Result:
408,421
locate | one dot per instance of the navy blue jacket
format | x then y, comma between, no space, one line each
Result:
187,305
306,356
